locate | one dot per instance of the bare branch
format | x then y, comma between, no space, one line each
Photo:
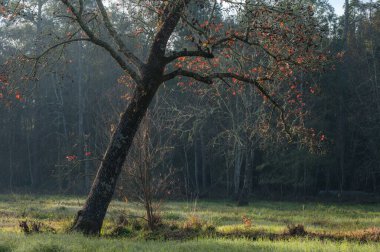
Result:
185,53
181,72
102,43
55,46
111,30
81,7
208,79
38,57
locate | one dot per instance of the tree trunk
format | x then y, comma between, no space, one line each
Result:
341,142
29,160
148,78
83,143
186,175
204,164
89,220
238,159
247,184
196,167
346,23
35,110
11,164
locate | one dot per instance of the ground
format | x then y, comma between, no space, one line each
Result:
192,226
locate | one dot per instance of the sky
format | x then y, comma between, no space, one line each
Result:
338,6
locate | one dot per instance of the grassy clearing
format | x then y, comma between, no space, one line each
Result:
222,225
271,216
76,242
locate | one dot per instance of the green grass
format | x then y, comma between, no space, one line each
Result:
266,217
75,242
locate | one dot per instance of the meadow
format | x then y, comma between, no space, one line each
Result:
192,226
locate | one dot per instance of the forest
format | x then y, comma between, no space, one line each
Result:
175,119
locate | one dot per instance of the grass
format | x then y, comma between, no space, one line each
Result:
72,242
331,227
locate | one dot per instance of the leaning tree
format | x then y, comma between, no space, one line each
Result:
267,44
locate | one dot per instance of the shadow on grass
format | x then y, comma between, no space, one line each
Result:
193,229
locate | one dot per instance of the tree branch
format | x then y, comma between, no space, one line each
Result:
208,79
38,57
81,7
243,40
111,30
170,18
102,43
184,53
57,45
181,72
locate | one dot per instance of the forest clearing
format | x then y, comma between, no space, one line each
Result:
189,125
192,226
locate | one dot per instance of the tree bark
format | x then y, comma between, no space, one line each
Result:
203,159
238,161
89,220
346,23
196,167
247,184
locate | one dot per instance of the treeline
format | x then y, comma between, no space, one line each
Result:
197,140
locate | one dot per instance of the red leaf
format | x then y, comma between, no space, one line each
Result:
71,157
323,137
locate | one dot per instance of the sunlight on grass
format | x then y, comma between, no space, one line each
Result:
76,242
226,218
273,216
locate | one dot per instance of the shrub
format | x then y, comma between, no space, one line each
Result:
209,228
136,225
193,222
35,227
122,220
246,221
121,231
296,230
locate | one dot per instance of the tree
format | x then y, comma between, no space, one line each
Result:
269,48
